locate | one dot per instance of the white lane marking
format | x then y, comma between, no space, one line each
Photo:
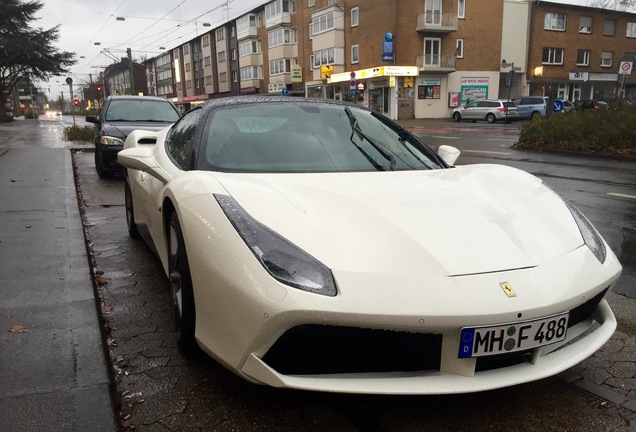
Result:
620,195
501,139
487,152
444,137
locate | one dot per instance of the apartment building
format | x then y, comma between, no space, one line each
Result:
577,52
408,58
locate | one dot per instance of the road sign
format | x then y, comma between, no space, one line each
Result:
557,106
625,68
285,91
510,78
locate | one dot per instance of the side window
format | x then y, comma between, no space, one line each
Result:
181,139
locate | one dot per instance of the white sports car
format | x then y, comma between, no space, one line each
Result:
316,245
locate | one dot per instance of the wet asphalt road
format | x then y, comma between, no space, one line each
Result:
160,390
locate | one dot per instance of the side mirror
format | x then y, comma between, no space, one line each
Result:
143,159
92,119
449,154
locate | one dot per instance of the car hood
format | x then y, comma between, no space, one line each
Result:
465,220
122,129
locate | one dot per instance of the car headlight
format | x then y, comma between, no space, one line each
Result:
591,237
283,260
109,140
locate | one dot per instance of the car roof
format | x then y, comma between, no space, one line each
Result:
252,99
133,97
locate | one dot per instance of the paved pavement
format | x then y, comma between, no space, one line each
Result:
54,375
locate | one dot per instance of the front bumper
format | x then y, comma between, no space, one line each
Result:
109,157
455,375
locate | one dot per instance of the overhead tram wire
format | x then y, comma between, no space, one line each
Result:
225,3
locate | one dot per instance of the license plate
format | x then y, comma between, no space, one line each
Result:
517,336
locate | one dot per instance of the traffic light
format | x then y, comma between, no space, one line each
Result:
75,102
98,88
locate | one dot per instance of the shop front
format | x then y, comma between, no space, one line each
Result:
582,85
384,89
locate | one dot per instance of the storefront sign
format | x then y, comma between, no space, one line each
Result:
379,82
474,89
376,72
296,73
275,88
603,77
431,81
579,76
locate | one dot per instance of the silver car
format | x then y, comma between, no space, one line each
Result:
489,110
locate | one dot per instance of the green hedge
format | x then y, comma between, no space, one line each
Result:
76,133
611,130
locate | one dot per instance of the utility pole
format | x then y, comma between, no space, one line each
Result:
130,65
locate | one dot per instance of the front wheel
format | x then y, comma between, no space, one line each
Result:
490,118
130,210
457,117
181,292
99,165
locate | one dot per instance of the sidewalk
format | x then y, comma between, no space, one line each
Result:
53,371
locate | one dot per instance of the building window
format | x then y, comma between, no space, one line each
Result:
355,16
248,47
276,7
232,32
281,36
585,25
331,2
606,59
432,51
355,53
323,23
324,57
234,76
583,57
220,34
292,6
205,40
279,67
233,53
459,48
552,56
208,80
186,49
188,83
554,21
245,22
249,73
310,3
223,77
631,30
461,9
609,26
187,67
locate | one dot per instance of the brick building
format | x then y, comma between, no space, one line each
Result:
407,58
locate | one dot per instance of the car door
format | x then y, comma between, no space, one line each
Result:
178,146
470,110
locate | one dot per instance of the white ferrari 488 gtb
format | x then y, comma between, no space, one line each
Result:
314,244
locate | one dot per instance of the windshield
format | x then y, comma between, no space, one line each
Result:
139,110
307,137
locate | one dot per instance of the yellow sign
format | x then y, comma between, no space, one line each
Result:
326,71
408,82
296,73
405,71
392,81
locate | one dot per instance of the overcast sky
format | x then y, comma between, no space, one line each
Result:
148,25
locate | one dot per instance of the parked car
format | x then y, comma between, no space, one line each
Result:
118,117
568,106
531,106
317,245
585,104
489,110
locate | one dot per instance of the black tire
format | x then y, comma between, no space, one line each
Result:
130,210
457,117
490,118
99,165
181,292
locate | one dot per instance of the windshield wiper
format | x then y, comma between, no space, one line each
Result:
355,128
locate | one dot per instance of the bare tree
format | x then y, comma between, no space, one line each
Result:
617,5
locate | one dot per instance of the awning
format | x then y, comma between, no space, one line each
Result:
248,90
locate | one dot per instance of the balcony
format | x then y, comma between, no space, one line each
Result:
436,63
436,22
